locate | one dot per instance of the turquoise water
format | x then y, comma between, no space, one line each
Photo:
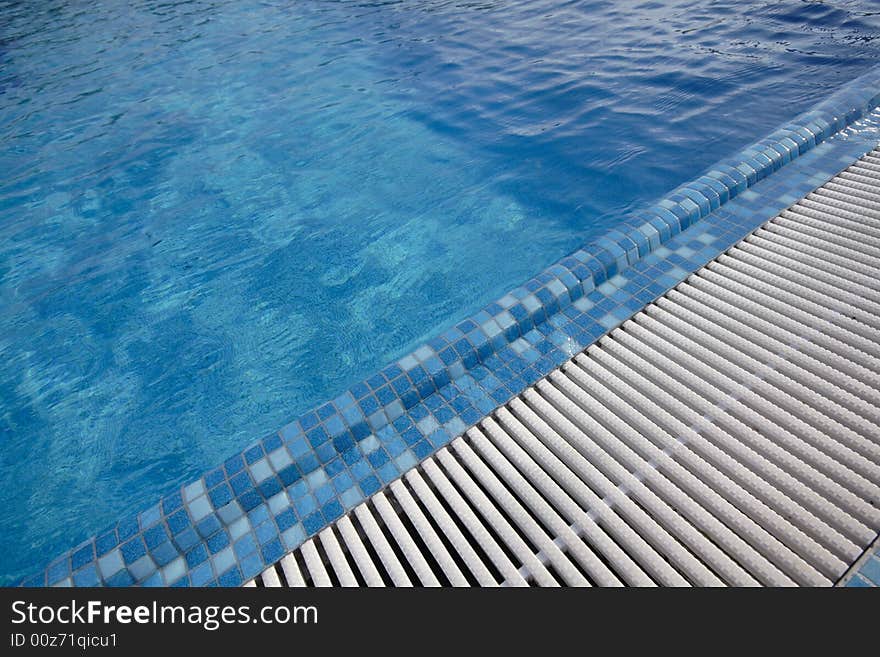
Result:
215,215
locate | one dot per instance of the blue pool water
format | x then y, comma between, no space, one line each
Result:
214,215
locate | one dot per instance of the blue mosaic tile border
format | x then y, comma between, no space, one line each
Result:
867,573
231,523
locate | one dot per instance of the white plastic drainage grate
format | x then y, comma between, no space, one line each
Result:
728,434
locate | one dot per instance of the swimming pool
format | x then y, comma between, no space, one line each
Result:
217,215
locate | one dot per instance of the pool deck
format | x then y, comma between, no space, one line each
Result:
267,501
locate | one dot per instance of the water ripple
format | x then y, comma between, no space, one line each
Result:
217,213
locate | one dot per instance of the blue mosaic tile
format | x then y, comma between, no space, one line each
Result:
87,576
163,553
336,455
106,542
866,573
120,578
57,571
313,523
133,550
858,582
82,556
196,556
870,570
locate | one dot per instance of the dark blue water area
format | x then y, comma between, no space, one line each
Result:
215,215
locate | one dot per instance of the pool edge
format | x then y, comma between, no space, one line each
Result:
170,542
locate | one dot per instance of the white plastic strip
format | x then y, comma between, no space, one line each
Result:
359,553
386,554
270,578
461,544
337,558
291,571
407,545
428,535
481,535
315,565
